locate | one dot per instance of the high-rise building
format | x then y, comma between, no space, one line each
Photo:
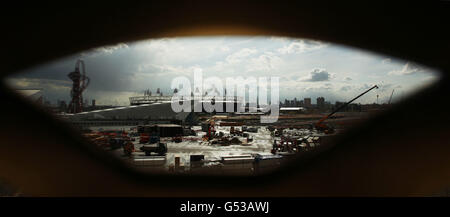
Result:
307,102
320,102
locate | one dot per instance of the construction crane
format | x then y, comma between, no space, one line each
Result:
80,82
390,98
326,129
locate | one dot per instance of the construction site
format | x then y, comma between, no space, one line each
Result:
149,136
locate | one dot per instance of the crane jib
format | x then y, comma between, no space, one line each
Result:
345,104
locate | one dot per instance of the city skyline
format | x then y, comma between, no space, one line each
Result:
306,68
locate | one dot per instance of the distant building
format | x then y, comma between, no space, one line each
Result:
62,106
320,102
301,104
307,102
349,108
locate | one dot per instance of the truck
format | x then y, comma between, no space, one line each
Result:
158,148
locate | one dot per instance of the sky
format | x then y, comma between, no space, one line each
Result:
306,68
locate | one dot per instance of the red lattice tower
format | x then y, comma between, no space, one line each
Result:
80,82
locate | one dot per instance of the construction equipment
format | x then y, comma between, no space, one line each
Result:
390,98
326,129
128,148
144,138
80,82
159,148
211,130
154,139
177,139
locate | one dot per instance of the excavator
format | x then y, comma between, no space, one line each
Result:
320,126
211,130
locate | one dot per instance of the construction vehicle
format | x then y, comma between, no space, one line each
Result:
128,148
249,139
235,132
278,132
158,148
116,143
144,138
252,129
211,130
154,139
390,98
114,133
320,126
177,139
286,144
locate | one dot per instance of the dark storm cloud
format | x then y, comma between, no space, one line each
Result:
113,70
109,69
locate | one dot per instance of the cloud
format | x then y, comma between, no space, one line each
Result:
105,50
346,88
385,87
386,61
265,62
240,55
111,49
407,69
365,86
51,89
301,46
280,39
32,83
318,75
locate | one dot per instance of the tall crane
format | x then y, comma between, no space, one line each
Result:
80,82
390,98
322,127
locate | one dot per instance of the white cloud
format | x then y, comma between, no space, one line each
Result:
104,50
346,88
48,84
110,49
280,39
224,48
407,69
317,75
240,55
386,61
265,62
301,46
